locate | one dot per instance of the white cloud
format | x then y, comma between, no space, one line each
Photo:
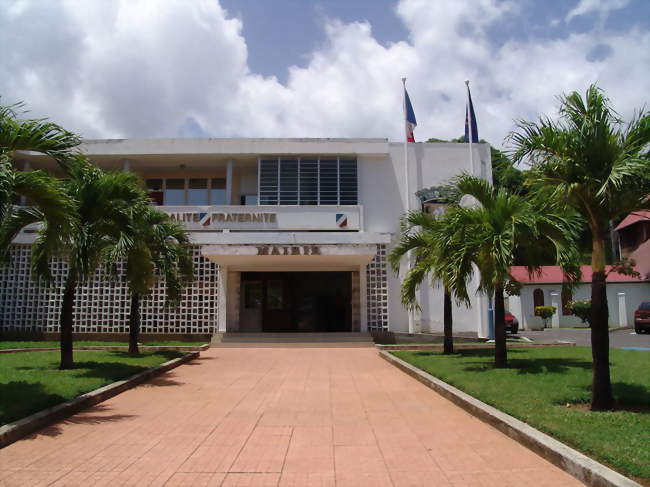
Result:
135,68
600,7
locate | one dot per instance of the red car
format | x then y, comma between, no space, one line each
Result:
642,318
512,324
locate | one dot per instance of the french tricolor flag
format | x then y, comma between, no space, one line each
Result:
409,115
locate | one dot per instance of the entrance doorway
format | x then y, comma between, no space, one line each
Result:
296,302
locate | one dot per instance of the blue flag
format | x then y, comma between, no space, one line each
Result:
409,116
470,118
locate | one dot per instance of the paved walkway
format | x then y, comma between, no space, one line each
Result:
277,417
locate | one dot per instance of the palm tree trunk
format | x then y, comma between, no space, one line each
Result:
134,324
448,344
66,322
500,351
601,386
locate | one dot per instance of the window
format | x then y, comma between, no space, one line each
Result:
566,298
248,200
348,181
197,192
192,191
175,192
155,190
289,182
328,183
269,178
218,192
538,299
308,181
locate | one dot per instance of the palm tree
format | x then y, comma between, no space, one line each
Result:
46,196
593,163
159,246
433,244
104,204
504,228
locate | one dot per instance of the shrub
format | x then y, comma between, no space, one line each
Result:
582,309
545,313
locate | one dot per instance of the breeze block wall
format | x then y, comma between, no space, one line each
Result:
377,291
102,304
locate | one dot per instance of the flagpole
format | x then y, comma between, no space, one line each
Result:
468,113
407,205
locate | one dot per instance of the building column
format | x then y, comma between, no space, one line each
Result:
222,300
356,302
233,301
622,310
229,182
363,299
555,302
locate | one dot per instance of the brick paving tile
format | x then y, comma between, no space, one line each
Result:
312,417
251,480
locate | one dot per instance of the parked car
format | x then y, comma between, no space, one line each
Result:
512,324
642,318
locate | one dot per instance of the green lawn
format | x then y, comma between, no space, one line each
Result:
85,343
540,382
30,381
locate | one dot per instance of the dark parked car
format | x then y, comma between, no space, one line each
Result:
512,324
642,318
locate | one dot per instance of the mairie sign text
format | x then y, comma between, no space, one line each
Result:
288,250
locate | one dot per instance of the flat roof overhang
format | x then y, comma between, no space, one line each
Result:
296,256
289,238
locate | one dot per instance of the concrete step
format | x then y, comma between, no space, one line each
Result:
288,338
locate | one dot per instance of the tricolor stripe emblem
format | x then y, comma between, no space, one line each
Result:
341,220
204,219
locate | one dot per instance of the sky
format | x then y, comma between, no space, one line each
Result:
329,68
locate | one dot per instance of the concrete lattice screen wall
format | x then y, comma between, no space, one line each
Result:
377,291
103,303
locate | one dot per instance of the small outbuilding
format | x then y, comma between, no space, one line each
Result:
624,294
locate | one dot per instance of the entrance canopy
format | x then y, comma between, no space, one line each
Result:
290,255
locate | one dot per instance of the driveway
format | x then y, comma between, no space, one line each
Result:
272,416
618,338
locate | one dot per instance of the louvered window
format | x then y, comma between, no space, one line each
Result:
308,181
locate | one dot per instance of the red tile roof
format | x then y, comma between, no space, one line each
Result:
551,274
634,217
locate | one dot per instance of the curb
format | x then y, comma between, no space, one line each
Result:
460,346
16,430
115,348
571,461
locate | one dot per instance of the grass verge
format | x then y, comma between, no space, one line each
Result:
541,382
7,344
31,381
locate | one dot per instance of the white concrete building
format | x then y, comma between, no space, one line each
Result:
289,235
624,294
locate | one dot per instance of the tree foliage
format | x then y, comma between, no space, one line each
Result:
159,248
581,309
433,244
504,227
592,162
545,313
47,199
